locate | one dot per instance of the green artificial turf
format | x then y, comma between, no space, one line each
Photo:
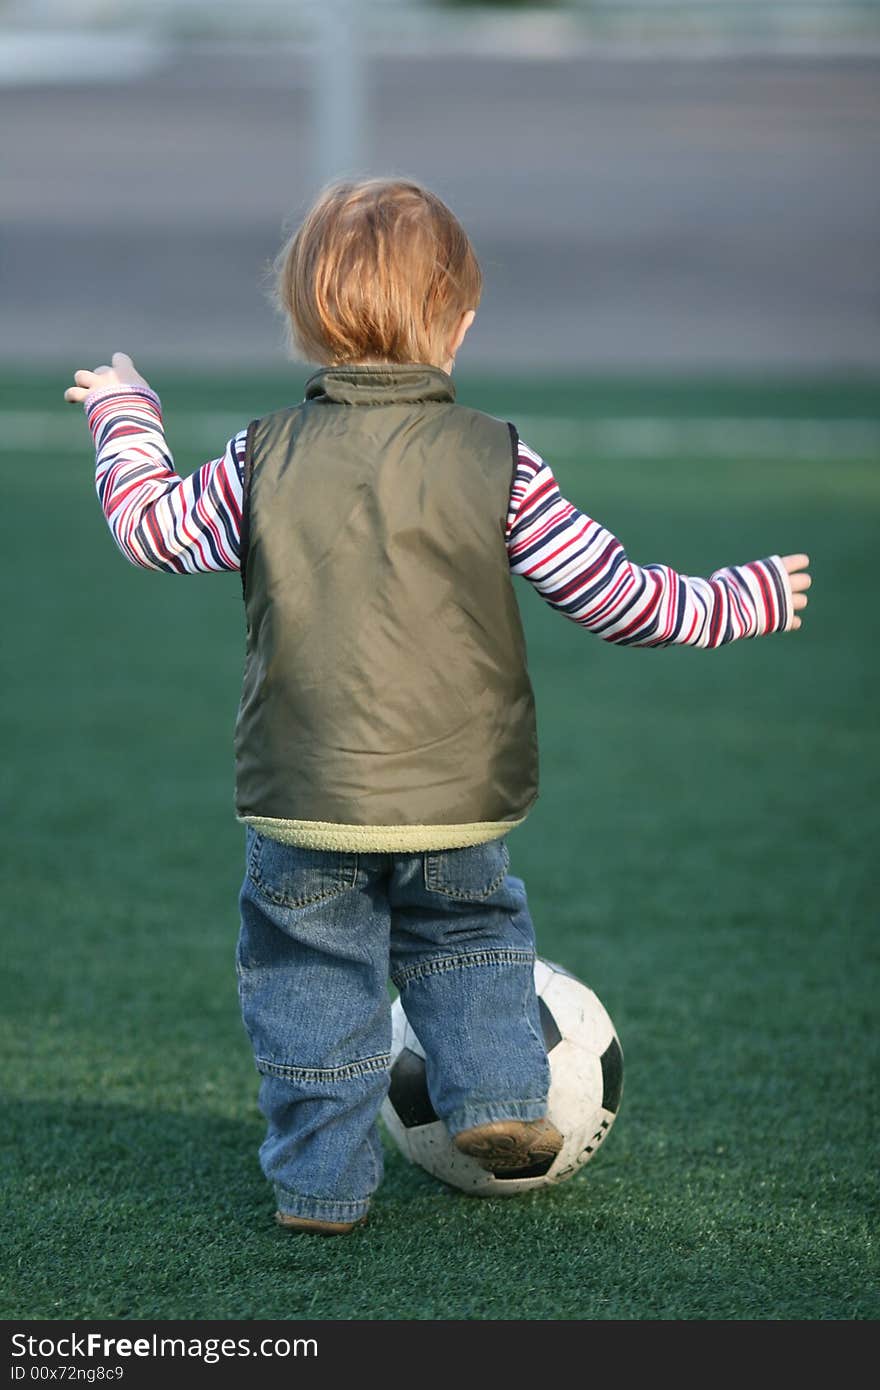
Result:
703,854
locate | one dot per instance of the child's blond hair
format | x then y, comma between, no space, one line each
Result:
379,271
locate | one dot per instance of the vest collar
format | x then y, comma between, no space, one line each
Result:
380,383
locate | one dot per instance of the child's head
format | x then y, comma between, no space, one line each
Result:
379,271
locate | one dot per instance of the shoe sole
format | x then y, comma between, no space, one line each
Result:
315,1227
507,1147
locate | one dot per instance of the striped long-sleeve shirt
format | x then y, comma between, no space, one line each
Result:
192,525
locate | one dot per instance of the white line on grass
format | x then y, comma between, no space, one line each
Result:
650,437
632,437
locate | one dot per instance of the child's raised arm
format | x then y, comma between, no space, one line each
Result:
581,569
159,520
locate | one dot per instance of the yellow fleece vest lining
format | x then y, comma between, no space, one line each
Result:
406,839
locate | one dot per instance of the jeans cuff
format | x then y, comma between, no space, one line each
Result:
319,1208
483,1113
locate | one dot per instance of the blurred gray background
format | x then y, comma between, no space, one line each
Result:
649,186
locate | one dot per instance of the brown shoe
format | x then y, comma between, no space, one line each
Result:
317,1228
511,1146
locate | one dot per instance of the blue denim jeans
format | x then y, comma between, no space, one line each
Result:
322,931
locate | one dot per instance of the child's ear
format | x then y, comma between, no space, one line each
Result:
464,324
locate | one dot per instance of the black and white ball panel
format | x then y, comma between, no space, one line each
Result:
586,1071
408,1092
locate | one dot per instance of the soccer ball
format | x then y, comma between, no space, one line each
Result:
586,1083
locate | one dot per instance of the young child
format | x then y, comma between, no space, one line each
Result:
385,743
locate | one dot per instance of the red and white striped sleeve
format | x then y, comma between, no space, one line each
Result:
159,520
581,569
193,526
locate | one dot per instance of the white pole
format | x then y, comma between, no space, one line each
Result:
339,102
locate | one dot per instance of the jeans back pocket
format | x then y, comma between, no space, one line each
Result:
294,876
471,874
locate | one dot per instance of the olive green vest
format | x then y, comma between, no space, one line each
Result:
386,701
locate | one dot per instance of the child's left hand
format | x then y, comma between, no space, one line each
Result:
122,373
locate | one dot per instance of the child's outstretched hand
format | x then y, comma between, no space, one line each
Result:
796,567
122,373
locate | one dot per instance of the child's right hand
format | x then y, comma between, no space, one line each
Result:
122,373
796,567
